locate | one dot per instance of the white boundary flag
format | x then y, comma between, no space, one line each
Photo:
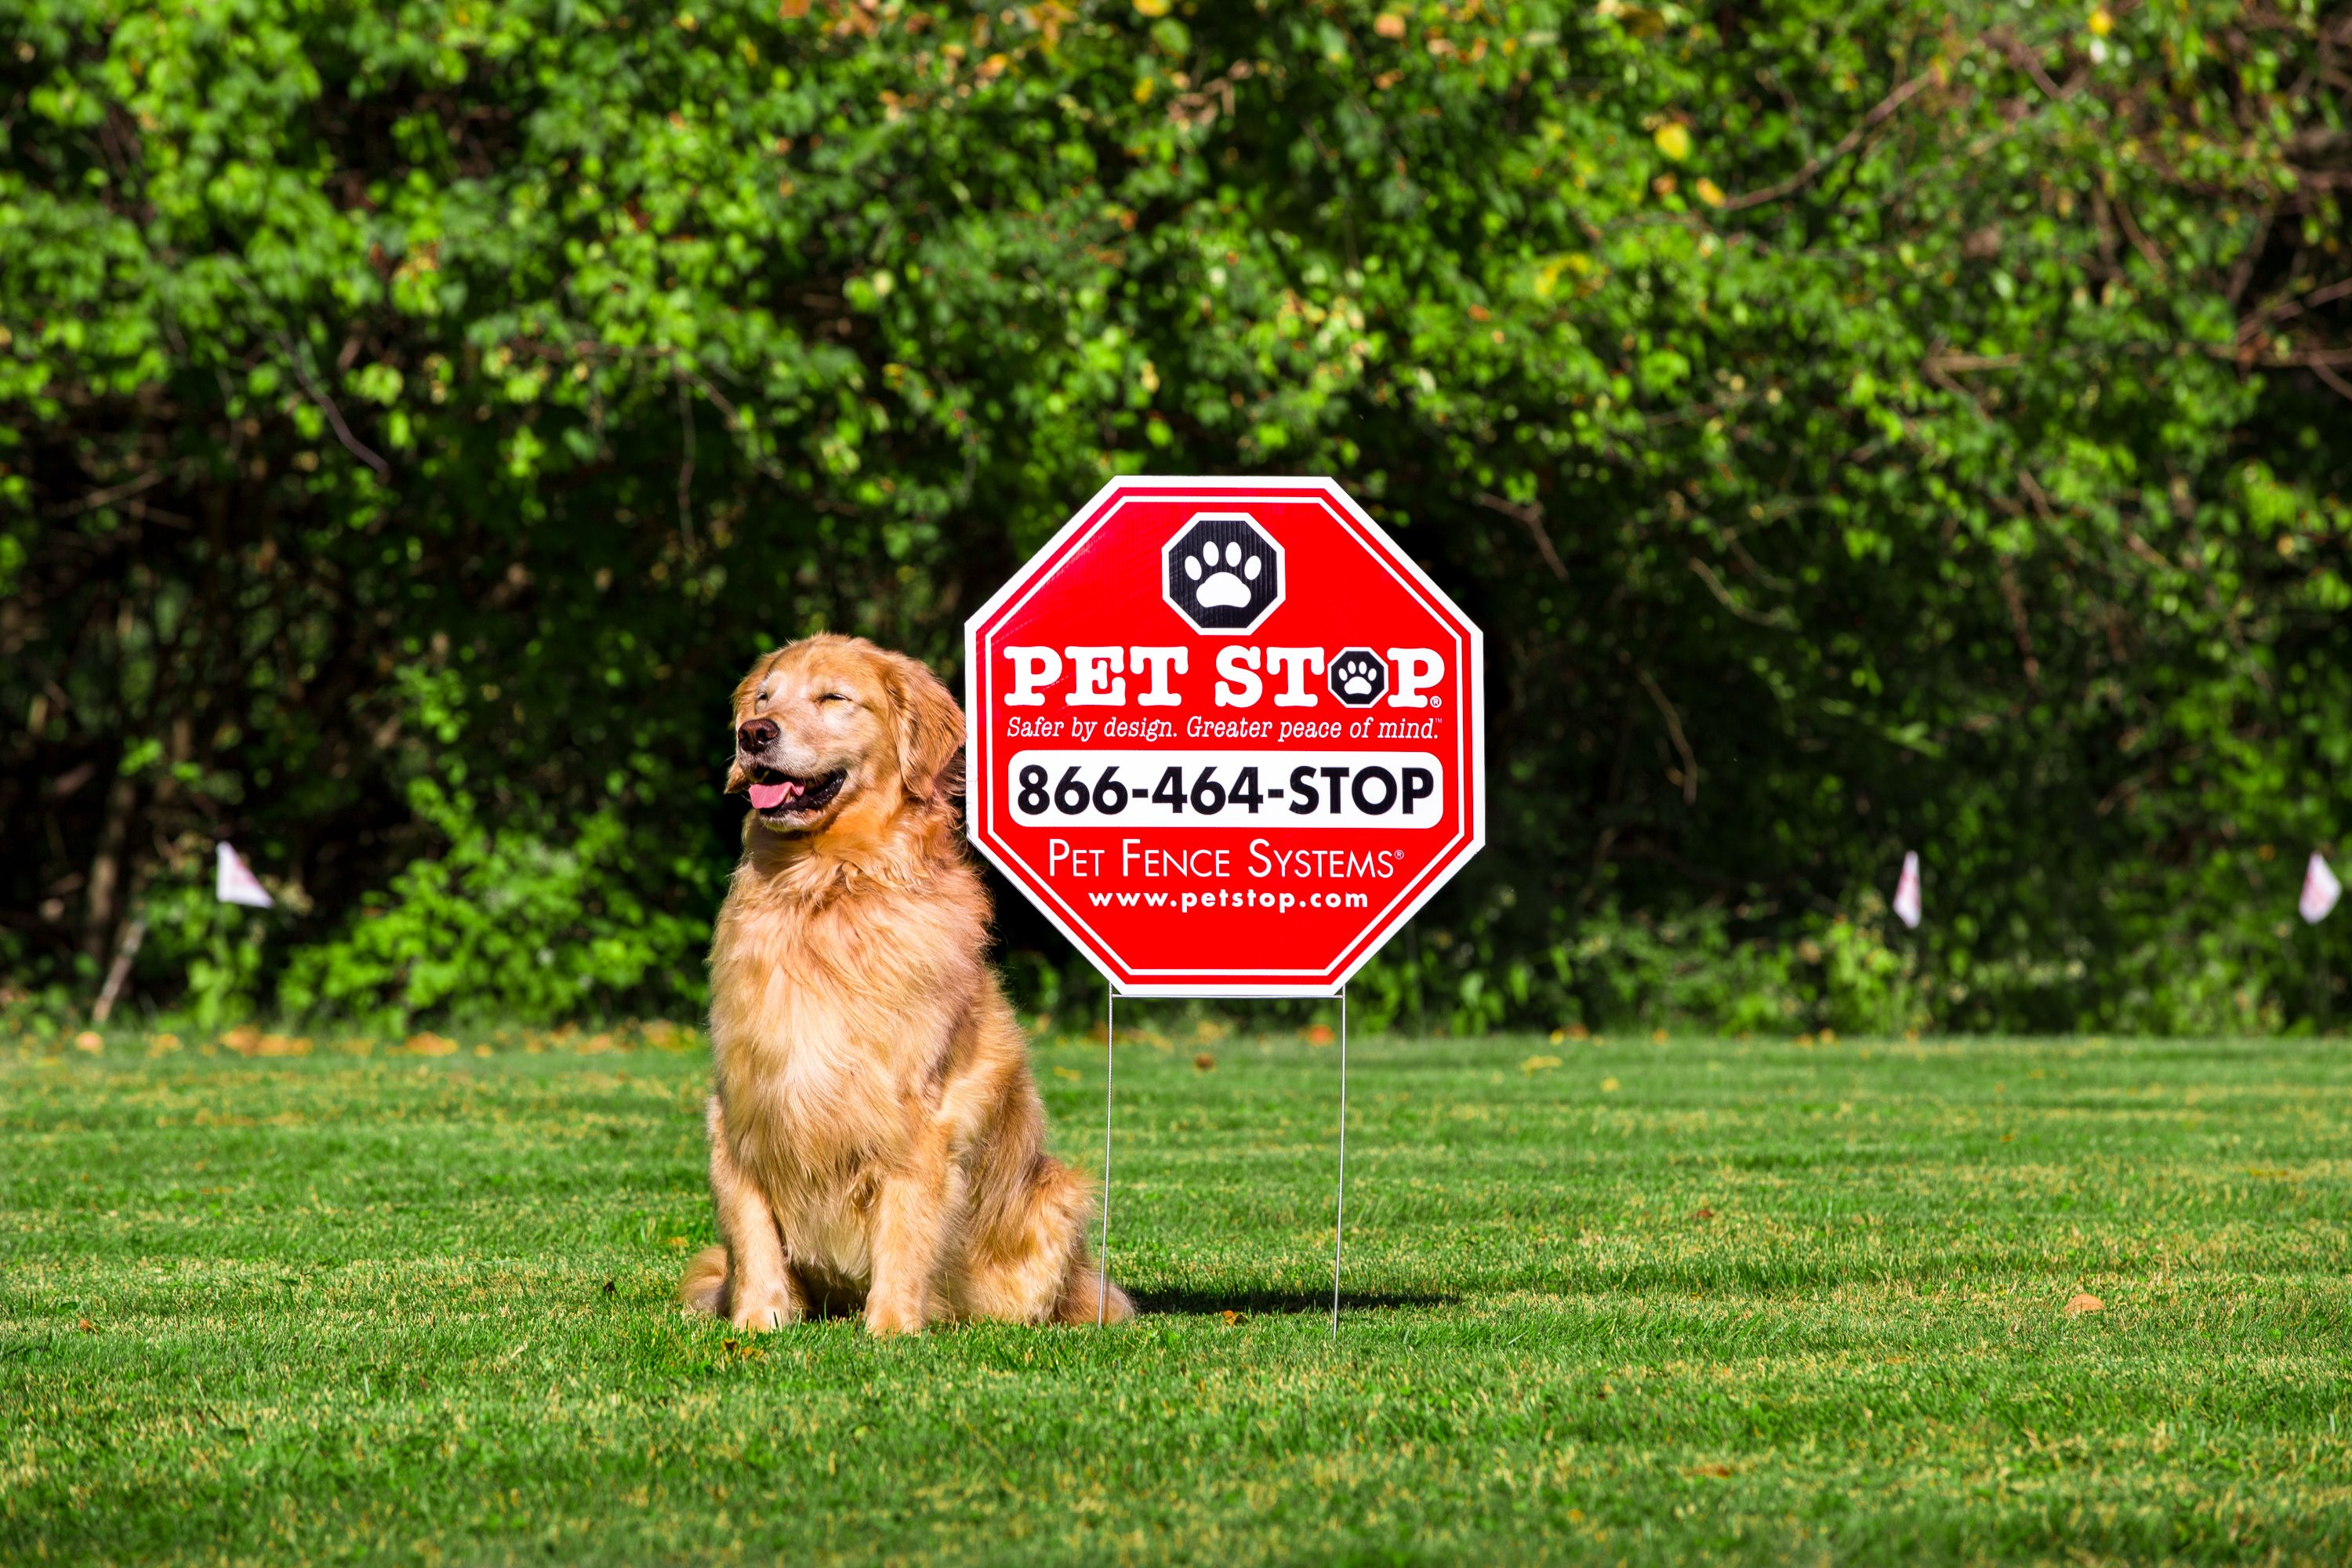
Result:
1906,891
236,884
2320,890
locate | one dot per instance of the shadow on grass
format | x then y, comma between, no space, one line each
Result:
825,1306
1209,1303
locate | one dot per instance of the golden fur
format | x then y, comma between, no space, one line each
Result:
874,1134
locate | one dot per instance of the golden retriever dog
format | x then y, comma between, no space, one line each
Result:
874,1134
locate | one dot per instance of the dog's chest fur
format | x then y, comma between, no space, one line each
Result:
834,1007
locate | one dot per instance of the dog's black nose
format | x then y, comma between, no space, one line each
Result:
757,735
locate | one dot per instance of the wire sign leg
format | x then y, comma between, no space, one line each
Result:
1110,1057
1339,1209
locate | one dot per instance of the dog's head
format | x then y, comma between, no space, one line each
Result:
834,729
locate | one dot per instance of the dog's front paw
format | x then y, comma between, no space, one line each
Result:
884,1318
761,1310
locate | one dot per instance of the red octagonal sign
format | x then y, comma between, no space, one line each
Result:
1225,734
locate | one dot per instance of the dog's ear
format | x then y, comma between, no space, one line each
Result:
931,729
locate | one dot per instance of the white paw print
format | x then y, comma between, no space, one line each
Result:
1356,677
1220,589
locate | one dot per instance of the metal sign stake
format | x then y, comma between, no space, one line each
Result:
1110,1057
1339,1208
1340,1215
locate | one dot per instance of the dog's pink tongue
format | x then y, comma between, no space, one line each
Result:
768,796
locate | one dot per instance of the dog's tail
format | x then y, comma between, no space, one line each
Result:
1088,1297
704,1289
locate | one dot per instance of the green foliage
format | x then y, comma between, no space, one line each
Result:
501,923
217,947
1643,974
1857,428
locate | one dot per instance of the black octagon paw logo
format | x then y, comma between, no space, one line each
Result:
1222,573
1358,677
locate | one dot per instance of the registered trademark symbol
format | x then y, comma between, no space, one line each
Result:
1437,703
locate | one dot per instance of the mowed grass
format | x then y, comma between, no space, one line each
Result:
1747,1302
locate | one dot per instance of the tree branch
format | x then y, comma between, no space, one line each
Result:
352,444
2337,382
1675,734
1532,517
1853,138
686,466
1723,596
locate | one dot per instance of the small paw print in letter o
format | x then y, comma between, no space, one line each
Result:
1358,678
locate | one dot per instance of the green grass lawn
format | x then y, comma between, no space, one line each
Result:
1750,1302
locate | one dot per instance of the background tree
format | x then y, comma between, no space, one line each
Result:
1856,425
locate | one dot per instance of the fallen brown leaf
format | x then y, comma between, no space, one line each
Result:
2083,1301
248,1041
1710,1469
90,1040
1319,1034
429,1045
1204,1062
1231,1317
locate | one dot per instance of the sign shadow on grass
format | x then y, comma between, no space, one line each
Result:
1209,1303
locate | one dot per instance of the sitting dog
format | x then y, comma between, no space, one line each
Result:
874,1134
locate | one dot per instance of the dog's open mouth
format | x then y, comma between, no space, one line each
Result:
777,794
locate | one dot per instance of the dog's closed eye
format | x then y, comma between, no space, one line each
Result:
834,696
